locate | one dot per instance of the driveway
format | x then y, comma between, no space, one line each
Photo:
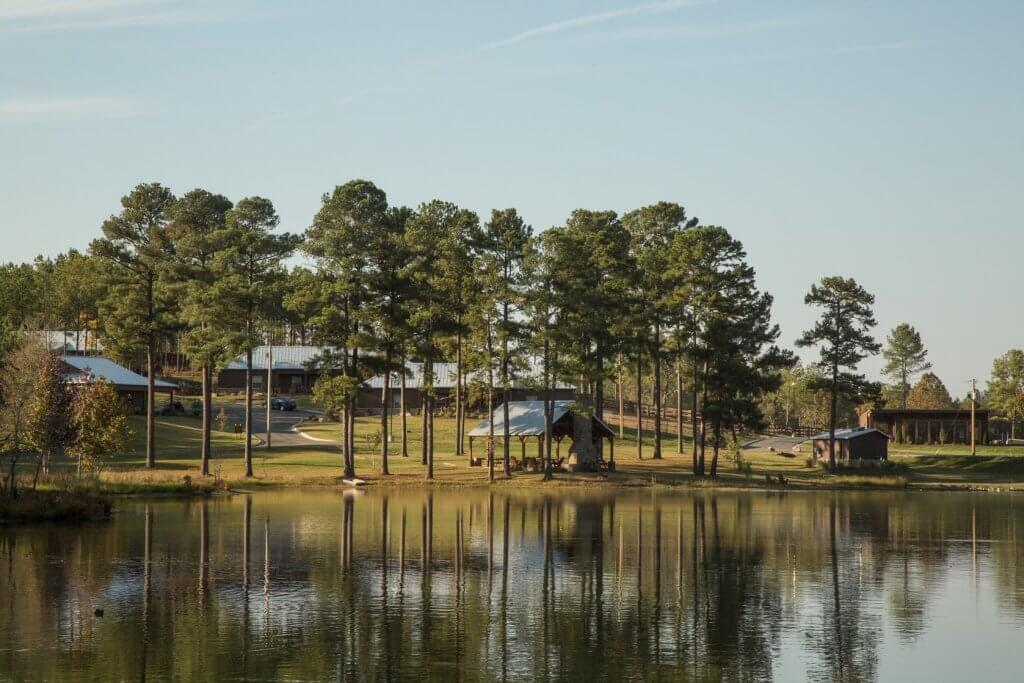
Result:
282,422
781,444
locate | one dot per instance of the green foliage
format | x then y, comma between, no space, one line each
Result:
1006,385
21,294
247,274
332,393
197,229
136,247
905,356
100,420
732,328
594,287
842,335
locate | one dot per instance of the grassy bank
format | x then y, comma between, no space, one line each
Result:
54,506
316,461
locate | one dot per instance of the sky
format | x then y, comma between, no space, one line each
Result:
877,140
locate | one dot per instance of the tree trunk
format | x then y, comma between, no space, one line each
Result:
204,450
715,447
384,410
833,413
490,424
657,391
458,394
428,416
549,409
270,386
423,416
401,407
150,403
703,419
639,406
679,407
622,400
247,448
693,414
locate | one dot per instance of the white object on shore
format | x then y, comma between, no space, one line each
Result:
354,482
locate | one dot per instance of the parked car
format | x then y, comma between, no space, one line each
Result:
283,404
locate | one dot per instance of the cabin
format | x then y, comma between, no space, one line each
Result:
296,370
130,386
914,426
526,422
854,445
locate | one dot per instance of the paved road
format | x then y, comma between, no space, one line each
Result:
779,443
282,423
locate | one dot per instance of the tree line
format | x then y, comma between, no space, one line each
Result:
597,298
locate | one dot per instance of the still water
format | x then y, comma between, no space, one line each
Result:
470,585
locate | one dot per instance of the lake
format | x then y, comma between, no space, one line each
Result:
568,585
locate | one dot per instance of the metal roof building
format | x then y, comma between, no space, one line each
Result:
301,359
86,369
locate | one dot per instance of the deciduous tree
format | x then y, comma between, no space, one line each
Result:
1006,387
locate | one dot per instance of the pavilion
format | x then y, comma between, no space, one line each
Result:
526,421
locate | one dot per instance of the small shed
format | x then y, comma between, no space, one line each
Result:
526,421
854,445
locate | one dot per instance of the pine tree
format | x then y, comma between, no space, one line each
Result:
351,217
652,229
247,278
138,307
440,238
197,229
844,339
905,356
504,246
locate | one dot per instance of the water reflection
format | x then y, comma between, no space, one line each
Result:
705,586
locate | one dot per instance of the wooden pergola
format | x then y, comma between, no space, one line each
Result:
526,421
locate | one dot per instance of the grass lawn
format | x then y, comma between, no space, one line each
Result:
318,462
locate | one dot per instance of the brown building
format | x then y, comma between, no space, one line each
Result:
296,370
928,426
854,445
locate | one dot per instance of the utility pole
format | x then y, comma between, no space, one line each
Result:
974,403
270,383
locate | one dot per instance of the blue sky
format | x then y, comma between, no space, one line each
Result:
878,140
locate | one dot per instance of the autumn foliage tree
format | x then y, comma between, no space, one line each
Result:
929,394
100,424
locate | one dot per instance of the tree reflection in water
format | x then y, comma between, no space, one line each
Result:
702,586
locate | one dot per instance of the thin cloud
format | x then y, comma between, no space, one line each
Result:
26,110
33,9
129,21
29,16
592,19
